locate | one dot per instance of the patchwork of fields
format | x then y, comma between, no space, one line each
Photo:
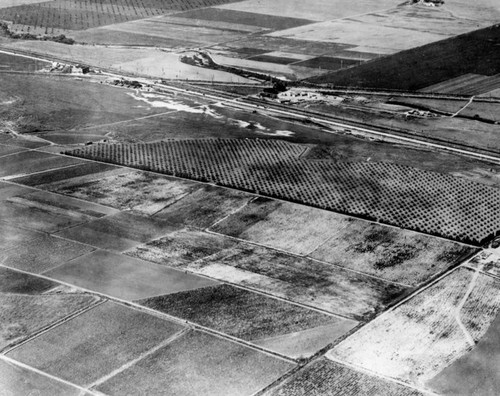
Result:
406,197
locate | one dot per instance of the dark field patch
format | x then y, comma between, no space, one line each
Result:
245,18
16,380
53,176
407,197
328,63
475,52
125,277
24,315
238,312
95,343
19,283
203,207
41,254
199,364
181,246
7,150
32,161
326,378
274,59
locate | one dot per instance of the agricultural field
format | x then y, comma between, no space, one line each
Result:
43,253
301,280
182,246
393,254
474,373
28,306
60,16
125,277
466,84
418,339
95,353
415,69
238,312
389,193
19,380
327,378
199,364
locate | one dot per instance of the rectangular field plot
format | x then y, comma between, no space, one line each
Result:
30,162
198,364
10,235
274,59
204,206
182,246
396,255
294,228
326,378
246,18
125,277
48,177
27,306
43,253
238,312
17,380
329,63
95,343
425,201
416,340
305,281
140,191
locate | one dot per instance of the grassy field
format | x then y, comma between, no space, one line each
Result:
327,378
418,339
421,67
11,235
125,277
182,246
389,193
238,312
139,191
19,380
43,253
466,84
27,162
95,343
26,307
199,364
203,207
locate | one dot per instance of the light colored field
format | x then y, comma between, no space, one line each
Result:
305,343
373,38
316,10
291,227
482,11
418,339
148,62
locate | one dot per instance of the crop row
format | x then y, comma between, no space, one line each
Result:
85,14
424,201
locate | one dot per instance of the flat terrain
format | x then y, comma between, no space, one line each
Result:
389,193
417,340
328,378
125,278
239,312
199,364
110,335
